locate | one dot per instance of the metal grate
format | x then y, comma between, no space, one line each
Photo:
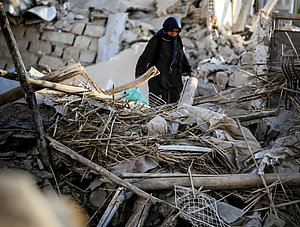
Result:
200,209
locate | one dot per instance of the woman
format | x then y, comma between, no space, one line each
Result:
165,51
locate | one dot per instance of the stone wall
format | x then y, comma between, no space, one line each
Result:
54,44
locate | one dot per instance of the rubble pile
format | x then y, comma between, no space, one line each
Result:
227,155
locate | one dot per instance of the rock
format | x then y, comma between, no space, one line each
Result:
247,58
238,79
97,197
225,51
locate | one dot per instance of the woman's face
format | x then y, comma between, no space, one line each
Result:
173,33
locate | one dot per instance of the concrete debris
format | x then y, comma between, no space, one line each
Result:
156,126
230,140
109,44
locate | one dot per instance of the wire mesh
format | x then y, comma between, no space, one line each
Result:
200,209
154,100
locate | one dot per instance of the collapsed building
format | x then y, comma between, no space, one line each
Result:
226,155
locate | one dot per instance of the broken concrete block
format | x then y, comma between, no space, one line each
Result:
238,79
225,51
109,44
165,7
247,58
211,45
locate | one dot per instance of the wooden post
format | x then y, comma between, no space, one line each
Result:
29,94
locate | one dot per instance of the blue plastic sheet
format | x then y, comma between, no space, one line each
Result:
134,94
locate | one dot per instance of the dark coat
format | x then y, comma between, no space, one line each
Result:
167,85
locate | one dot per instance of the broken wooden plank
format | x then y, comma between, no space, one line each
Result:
26,86
262,114
152,72
214,182
99,169
65,73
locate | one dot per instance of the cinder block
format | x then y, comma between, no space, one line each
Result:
32,33
87,56
82,42
94,44
53,62
58,50
29,59
58,37
22,44
94,30
40,47
19,31
71,52
78,28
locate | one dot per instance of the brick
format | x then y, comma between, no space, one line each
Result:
87,56
59,37
63,25
5,52
94,44
82,41
94,30
53,62
58,50
71,52
22,44
29,59
2,40
78,28
40,47
32,33
2,63
19,32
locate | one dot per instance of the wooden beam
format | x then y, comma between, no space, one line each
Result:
26,86
214,182
152,72
65,73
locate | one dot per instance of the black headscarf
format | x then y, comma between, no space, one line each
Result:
169,24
